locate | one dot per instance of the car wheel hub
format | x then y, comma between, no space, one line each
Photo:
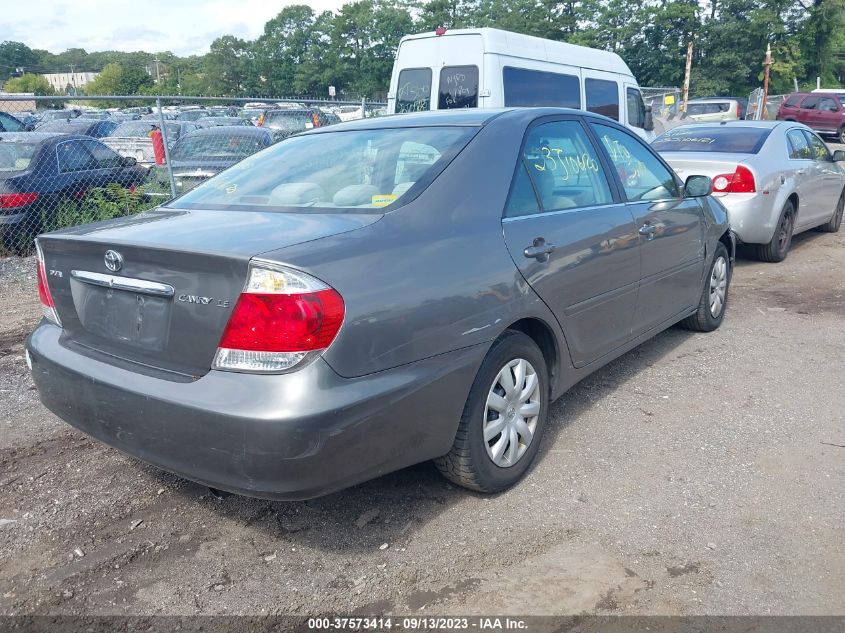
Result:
511,412
718,286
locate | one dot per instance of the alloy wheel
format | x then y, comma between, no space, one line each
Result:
511,412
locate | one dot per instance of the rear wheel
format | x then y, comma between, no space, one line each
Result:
777,249
832,226
503,419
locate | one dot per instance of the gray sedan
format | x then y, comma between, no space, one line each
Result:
370,295
776,178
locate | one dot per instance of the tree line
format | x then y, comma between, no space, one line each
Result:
302,53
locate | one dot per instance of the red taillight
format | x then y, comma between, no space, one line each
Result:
15,200
284,323
48,307
280,318
440,30
738,111
741,181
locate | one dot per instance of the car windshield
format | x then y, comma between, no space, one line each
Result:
141,129
335,171
288,121
16,156
727,139
210,147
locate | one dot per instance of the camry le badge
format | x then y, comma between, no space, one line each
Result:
113,260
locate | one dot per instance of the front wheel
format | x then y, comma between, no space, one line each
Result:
503,419
832,226
714,296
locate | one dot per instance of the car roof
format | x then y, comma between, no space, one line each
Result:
470,117
229,130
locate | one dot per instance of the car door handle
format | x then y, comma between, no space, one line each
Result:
801,172
539,250
648,230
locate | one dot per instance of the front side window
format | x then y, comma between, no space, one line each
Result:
73,157
564,167
333,172
799,146
414,91
104,158
818,150
642,174
636,107
533,88
602,97
458,87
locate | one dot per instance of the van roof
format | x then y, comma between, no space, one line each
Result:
499,42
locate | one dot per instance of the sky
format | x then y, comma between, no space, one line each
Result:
183,27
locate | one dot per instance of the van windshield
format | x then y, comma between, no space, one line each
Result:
333,172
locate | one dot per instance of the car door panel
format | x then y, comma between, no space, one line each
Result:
670,228
562,203
826,182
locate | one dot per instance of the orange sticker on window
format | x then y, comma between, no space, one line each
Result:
383,199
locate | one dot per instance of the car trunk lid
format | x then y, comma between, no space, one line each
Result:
165,305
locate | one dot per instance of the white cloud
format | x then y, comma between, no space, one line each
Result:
181,26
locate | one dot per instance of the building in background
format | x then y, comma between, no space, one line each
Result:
69,83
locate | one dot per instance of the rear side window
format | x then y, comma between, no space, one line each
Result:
636,107
602,97
531,88
523,200
642,174
792,101
458,87
414,91
732,140
799,147
810,103
565,167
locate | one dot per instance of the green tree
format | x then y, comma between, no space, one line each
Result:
15,55
28,82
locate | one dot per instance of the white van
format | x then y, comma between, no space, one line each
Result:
490,68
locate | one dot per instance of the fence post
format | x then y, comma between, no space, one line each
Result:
167,164
363,107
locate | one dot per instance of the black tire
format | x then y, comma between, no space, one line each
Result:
468,463
832,226
703,320
778,248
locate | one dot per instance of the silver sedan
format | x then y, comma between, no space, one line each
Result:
776,178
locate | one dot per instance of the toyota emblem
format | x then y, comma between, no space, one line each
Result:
113,260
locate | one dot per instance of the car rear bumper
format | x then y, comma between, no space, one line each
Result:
751,216
288,436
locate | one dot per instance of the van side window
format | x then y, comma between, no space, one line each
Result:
602,97
565,167
531,88
414,91
636,108
458,87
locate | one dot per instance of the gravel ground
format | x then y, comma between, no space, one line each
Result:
697,474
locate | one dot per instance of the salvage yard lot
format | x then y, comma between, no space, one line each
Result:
699,473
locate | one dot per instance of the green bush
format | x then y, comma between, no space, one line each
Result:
102,203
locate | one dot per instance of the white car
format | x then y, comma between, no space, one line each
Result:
776,178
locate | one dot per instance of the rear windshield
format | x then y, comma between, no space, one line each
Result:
334,171
211,147
708,108
288,121
16,156
731,140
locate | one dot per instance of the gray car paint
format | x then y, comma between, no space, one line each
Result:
427,287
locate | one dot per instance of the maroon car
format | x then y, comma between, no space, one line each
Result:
822,111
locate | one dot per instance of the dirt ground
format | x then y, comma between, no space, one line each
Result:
698,474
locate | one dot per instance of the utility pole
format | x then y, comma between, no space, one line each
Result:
158,74
767,64
687,72
72,80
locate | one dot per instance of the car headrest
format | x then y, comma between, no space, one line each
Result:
297,193
355,195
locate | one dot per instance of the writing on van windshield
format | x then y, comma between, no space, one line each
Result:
568,164
456,92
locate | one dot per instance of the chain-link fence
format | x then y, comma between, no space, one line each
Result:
85,159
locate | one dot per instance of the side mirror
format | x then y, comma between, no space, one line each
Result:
128,161
698,186
648,124
839,155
